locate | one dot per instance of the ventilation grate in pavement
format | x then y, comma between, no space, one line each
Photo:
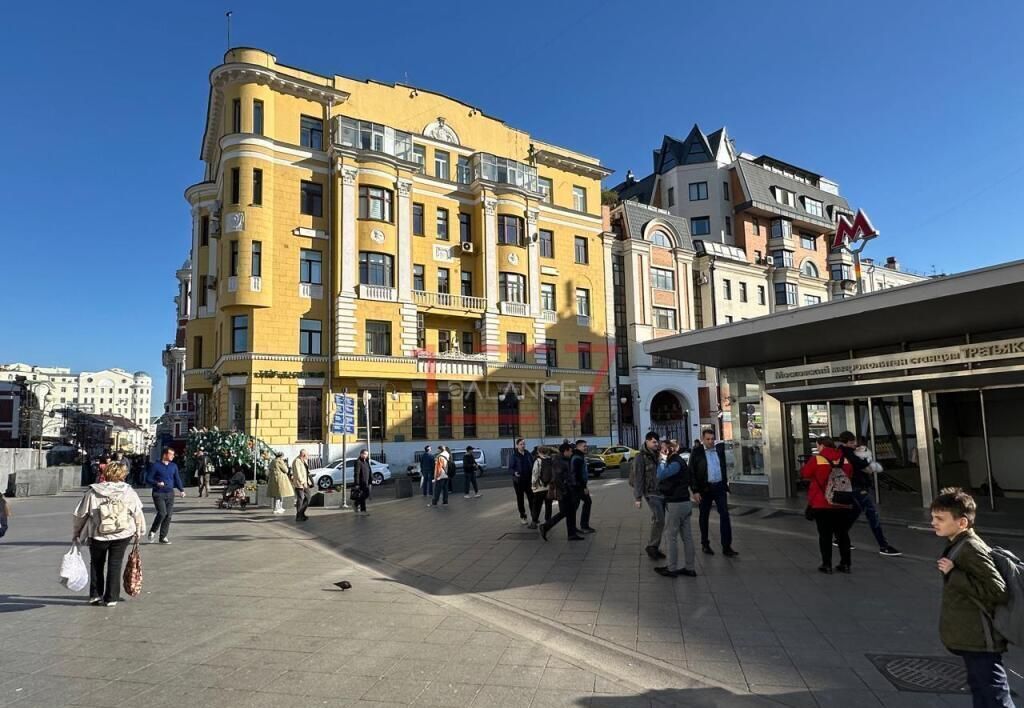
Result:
520,536
922,674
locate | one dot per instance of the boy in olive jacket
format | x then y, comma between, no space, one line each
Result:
971,588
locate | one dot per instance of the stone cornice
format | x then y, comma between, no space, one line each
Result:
571,164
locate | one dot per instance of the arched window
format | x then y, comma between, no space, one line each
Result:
808,268
660,238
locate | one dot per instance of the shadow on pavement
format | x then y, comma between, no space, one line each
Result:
35,543
20,603
699,698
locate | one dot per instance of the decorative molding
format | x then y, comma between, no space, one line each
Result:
491,206
349,175
404,187
444,254
309,233
234,221
532,215
440,130
548,270
377,236
513,259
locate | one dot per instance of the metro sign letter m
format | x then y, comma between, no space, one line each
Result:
847,232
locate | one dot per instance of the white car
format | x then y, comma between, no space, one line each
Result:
330,476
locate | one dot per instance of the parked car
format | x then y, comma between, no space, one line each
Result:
328,477
595,465
616,455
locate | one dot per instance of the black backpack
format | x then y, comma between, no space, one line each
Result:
547,470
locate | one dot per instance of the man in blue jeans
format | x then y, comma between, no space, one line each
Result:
164,478
707,469
863,489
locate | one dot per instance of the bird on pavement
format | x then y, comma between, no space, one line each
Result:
344,585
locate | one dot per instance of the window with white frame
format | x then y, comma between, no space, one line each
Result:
375,203
546,188
582,302
660,238
663,279
813,207
547,297
442,164
309,336
512,287
782,228
812,300
310,263
664,318
579,198
809,269
808,241
783,196
698,191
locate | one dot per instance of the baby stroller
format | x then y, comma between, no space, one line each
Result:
234,493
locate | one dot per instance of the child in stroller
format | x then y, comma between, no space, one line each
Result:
234,492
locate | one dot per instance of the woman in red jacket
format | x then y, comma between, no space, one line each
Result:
833,521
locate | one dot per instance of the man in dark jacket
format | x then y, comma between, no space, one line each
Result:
427,472
707,467
578,468
674,485
568,493
469,469
971,589
643,476
520,465
863,489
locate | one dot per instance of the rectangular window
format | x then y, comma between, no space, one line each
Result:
417,220
376,412
547,243
579,198
725,191
444,341
700,226
235,185
581,250
442,224
442,164
841,272
546,187
233,263
443,281
515,344
419,415
512,287
309,337
727,289
510,230
812,300
465,227
375,203
463,171
664,318
813,207
552,422
444,415
551,352
239,334
671,197
743,292
204,230
547,297
311,132
312,199
728,226
508,414
783,196
756,226
586,414
783,259
468,343
419,156
663,279
310,414
466,278
698,191
782,228
203,289
808,241
378,337
583,349
418,279
196,359
421,331
257,187
257,116
257,259
236,116
760,295
785,293
582,302
310,263
469,414
376,269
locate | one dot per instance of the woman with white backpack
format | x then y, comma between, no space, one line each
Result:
830,502
108,518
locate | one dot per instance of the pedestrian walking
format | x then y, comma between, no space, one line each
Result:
520,465
361,482
566,494
470,467
578,468
858,454
674,484
279,487
164,478
541,484
832,519
707,468
440,478
972,587
427,472
5,513
643,477
204,470
108,517
301,485
449,467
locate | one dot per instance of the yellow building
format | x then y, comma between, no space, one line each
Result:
375,238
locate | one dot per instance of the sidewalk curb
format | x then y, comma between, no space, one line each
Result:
600,656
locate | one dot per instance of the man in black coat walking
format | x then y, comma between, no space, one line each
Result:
707,469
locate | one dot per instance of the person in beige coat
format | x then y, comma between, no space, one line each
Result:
301,485
278,485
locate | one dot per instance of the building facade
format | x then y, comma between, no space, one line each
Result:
179,405
398,245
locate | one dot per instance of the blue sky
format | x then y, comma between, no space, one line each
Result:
915,108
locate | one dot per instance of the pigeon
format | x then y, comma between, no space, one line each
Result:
344,585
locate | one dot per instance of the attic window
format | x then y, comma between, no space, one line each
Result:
813,207
660,238
696,149
783,196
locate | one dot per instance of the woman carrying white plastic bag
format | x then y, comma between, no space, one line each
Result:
108,518
73,573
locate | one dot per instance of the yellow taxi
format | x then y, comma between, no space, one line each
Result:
616,455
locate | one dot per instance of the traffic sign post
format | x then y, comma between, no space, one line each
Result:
344,422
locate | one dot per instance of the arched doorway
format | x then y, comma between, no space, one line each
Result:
670,416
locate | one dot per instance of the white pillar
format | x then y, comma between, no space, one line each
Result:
491,252
533,256
348,231
404,220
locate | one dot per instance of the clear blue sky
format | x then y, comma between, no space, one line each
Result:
915,108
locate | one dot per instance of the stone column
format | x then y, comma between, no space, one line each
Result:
533,256
348,230
489,333
404,257
684,301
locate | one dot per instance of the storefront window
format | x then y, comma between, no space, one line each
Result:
743,425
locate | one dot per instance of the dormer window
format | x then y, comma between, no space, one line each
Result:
784,196
660,238
813,207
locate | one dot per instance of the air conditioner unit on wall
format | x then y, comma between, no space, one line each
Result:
768,260
466,246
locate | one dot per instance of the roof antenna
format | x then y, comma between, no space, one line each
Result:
228,16
406,73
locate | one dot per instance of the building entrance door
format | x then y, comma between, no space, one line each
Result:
670,418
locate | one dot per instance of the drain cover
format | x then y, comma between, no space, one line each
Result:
922,674
520,536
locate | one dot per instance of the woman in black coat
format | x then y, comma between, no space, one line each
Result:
361,482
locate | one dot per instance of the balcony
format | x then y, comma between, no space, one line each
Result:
255,283
232,284
515,309
450,302
450,364
549,316
311,290
373,137
501,170
377,292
